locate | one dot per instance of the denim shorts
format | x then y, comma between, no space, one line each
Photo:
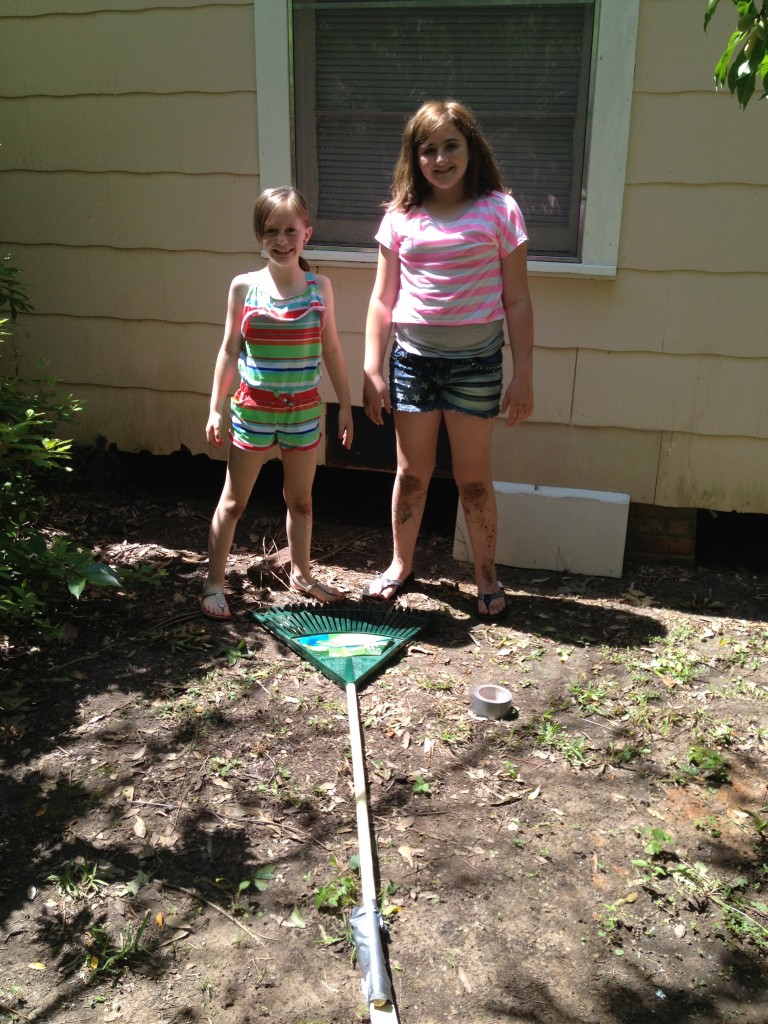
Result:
429,383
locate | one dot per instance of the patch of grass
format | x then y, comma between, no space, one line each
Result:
551,734
421,785
259,881
590,696
444,684
281,789
708,731
625,753
141,574
339,895
224,766
185,638
708,825
703,764
77,879
108,957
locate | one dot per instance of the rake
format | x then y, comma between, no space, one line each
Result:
348,643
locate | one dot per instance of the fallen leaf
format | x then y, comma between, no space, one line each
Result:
404,824
465,982
532,795
37,966
139,828
168,840
178,935
295,920
405,853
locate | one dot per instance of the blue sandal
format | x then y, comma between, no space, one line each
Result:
487,600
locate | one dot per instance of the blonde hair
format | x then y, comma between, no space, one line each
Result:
272,199
409,186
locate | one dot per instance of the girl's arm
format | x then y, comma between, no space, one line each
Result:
377,328
226,361
517,402
335,364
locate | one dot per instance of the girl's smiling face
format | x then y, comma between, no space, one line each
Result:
285,235
443,159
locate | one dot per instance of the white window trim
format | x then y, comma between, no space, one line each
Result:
607,146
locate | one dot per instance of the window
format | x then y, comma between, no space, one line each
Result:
285,32
362,68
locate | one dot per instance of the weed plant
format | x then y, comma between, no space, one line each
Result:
36,567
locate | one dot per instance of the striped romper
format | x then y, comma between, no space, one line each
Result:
279,366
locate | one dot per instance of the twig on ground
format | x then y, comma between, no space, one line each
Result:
7,1008
181,806
195,895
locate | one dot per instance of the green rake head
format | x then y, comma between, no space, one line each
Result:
346,642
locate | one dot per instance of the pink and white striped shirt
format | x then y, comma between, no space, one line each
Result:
450,271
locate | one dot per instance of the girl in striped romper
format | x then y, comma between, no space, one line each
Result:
280,324
451,275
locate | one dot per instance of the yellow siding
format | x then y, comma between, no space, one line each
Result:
143,134
127,176
599,459
714,469
702,395
132,284
132,211
189,48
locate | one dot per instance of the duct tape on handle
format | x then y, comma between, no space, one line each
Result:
491,701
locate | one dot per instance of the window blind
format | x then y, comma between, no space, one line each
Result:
361,70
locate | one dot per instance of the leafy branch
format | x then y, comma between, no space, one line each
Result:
745,58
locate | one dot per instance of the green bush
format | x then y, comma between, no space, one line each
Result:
36,569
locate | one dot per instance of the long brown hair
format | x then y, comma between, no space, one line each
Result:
272,199
409,186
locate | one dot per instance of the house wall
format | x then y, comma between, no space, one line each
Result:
128,171
129,164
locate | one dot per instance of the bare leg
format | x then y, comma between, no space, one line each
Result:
416,434
243,469
298,476
470,438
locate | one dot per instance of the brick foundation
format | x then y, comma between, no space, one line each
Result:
662,535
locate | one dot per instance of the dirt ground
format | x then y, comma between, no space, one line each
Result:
177,820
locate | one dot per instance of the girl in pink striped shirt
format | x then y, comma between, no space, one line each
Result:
451,275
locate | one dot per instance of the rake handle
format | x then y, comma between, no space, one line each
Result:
365,847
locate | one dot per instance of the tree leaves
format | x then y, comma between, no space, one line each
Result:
745,58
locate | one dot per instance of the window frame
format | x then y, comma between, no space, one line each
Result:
606,145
